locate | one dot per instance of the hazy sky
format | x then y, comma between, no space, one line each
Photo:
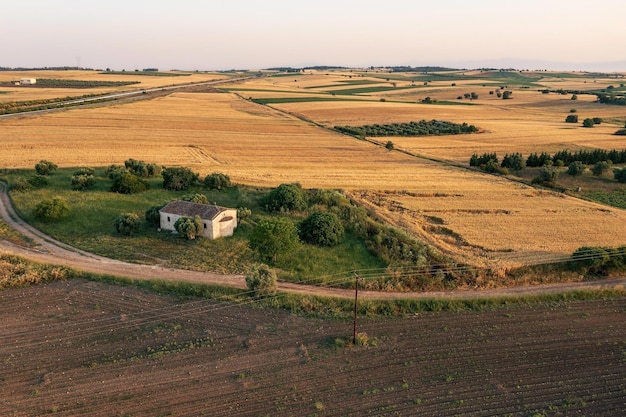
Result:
244,34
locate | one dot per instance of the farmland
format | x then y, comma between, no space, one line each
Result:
481,219
86,348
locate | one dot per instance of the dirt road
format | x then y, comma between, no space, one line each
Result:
47,250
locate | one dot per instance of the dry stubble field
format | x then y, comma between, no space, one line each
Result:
476,218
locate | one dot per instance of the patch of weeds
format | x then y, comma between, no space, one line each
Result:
319,406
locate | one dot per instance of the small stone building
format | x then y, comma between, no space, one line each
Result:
28,81
218,221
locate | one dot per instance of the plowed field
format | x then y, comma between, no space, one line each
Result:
83,348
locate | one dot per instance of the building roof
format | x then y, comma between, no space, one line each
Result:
187,208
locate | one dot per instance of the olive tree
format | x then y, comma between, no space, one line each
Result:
127,223
576,168
52,210
44,167
217,181
287,197
322,229
189,227
178,178
271,237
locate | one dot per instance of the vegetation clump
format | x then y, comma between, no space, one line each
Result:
421,128
286,197
274,236
127,223
189,227
45,167
52,210
127,183
143,169
217,181
261,281
322,228
178,178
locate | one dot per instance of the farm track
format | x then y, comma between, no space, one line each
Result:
48,250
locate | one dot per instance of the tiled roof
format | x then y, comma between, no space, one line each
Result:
187,208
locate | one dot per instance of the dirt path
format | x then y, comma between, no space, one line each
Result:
46,249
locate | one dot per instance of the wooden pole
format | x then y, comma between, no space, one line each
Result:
356,294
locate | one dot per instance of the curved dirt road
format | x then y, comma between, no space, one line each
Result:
47,250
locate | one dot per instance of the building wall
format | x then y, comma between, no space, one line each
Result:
212,229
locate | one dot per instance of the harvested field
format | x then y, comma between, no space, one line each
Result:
258,145
34,93
83,348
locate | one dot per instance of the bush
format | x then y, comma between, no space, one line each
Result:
571,118
142,169
576,168
114,171
44,167
389,145
506,95
261,281
52,210
127,223
588,122
196,198
547,175
83,179
128,183
322,229
153,217
286,197
217,181
189,227
20,185
178,178
620,175
38,181
600,168
620,132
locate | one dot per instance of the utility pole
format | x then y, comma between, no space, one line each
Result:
356,294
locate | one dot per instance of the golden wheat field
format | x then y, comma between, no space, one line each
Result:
476,218
17,93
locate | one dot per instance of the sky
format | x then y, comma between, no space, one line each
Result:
222,35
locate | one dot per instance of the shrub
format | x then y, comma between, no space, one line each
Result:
127,223
216,181
286,197
389,145
189,227
128,183
600,168
261,281
153,217
322,229
38,180
597,120
178,178
620,132
506,95
574,97
588,122
114,171
44,167
547,175
83,178
52,210
196,198
620,175
571,118
20,185
243,213
576,168
142,169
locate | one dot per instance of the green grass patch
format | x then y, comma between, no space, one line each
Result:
280,100
93,212
368,90
615,199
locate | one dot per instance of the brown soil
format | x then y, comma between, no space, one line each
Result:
85,348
